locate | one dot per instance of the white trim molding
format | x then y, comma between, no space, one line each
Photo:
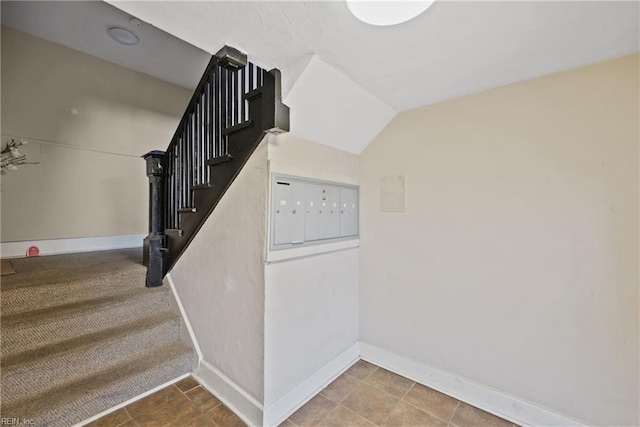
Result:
130,401
67,246
279,410
229,393
185,318
282,255
478,395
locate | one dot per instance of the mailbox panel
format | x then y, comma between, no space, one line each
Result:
306,211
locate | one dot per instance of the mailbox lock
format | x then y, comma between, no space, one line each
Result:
294,211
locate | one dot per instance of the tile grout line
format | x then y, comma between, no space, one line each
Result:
407,392
330,412
453,413
420,409
327,414
339,404
399,400
360,382
130,417
389,414
429,413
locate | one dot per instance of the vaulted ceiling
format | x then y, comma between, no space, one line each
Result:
345,80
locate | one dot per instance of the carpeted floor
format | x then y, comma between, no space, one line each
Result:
6,269
81,333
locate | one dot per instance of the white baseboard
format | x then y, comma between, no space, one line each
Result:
67,246
185,318
229,393
485,398
287,404
130,401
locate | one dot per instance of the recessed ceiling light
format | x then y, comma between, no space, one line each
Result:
387,12
123,36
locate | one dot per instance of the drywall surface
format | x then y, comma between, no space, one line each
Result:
220,280
88,122
311,307
328,107
515,262
292,155
311,316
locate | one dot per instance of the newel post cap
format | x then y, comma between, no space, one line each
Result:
155,165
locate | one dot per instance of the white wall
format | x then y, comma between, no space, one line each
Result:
515,263
311,313
88,121
330,108
220,281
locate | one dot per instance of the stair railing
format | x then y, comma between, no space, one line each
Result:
233,106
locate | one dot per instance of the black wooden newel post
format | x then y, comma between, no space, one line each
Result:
155,241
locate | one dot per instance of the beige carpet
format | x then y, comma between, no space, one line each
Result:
81,333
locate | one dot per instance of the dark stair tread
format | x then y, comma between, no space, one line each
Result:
187,210
238,127
219,160
203,186
174,232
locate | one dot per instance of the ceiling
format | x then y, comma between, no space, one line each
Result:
83,25
453,49
345,80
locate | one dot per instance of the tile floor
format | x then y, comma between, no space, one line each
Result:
364,396
184,403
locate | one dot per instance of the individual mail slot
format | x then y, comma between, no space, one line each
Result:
348,212
329,212
288,218
312,203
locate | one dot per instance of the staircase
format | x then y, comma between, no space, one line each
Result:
235,104
81,334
